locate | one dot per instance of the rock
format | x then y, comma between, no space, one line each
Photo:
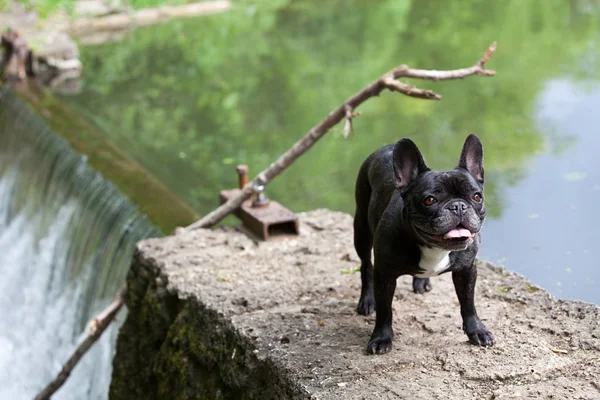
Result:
197,335
55,61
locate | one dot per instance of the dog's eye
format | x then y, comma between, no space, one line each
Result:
429,201
477,197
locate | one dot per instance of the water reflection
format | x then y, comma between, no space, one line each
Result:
548,227
191,98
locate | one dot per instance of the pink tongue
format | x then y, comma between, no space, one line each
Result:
458,233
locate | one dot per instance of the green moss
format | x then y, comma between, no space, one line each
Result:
181,365
176,349
532,288
151,313
504,290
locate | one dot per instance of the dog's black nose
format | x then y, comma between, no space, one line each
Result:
457,207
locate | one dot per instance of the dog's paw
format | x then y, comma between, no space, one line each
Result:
366,305
481,337
379,344
478,334
421,285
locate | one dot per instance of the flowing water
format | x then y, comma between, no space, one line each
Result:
191,98
66,240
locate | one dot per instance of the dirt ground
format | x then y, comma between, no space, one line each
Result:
291,301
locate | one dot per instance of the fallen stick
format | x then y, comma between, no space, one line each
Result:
346,111
95,330
145,16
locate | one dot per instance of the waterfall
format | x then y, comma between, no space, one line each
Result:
66,240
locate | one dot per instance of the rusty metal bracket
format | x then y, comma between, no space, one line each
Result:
264,217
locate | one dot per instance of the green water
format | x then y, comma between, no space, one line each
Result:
162,206
192,98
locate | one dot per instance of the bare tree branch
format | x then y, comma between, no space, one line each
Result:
387,81
95,330
404,71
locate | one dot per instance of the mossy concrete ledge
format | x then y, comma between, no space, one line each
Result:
214,314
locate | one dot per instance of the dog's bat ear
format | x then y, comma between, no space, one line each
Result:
471,157
408,162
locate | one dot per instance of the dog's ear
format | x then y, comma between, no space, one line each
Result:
471,157
408,162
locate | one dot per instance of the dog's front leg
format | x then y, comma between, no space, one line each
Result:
384,287
464,278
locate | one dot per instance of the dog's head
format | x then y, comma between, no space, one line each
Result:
444,209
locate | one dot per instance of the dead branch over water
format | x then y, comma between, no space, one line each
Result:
95,330
346,112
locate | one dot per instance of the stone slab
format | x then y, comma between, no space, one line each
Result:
215,313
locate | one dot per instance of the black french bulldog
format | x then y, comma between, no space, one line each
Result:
421,223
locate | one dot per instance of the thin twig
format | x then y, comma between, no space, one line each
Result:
386,81
404,88
348,121
95,330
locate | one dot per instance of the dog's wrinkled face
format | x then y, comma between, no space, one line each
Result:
444,209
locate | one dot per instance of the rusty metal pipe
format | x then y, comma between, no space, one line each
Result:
242,171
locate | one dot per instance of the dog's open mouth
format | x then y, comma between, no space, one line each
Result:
458,234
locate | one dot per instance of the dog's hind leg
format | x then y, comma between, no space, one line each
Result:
363,243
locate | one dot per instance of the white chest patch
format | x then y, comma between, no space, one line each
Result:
433,261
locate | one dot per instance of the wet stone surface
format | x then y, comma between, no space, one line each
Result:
215,313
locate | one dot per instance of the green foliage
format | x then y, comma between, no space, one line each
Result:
191,98
46,7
